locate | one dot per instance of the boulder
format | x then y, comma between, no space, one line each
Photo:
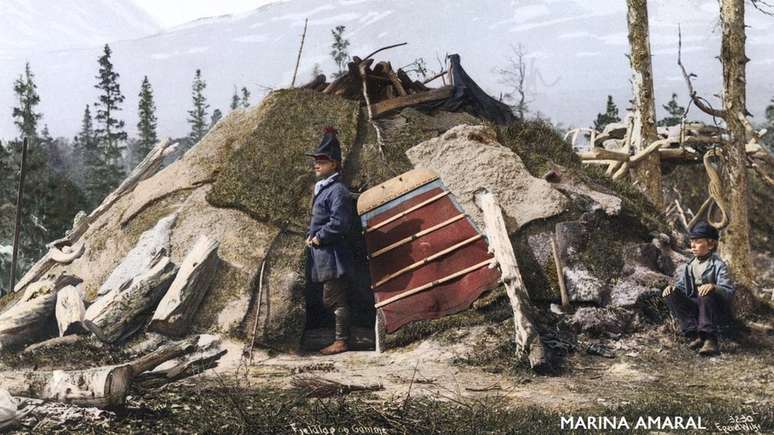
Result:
468,158
597,321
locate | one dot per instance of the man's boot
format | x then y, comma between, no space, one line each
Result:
337,346
710,346
342,333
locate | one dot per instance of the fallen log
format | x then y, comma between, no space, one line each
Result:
121,312
26,321
597,153
70,311
383,107
395,80
526,334
67,340
100,386
177,308
206,356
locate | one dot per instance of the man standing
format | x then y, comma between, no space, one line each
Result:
704,291
330,259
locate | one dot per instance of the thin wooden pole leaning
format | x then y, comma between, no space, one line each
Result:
298,59
526,334
17,228
560,274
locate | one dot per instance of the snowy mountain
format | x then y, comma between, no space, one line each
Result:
575,53
35,25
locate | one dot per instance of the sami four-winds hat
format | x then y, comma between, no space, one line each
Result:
703,230
329,146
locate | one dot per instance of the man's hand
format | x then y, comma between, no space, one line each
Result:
312,241
706,289
667,291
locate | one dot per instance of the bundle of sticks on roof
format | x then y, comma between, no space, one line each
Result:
387,88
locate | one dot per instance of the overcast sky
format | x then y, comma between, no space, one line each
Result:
169,13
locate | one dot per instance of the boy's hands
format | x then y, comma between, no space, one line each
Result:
706,289
667,291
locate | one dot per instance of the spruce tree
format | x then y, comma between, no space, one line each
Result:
85,153
147,125
235,99
198,115
339,47
245,97
610,115
217,115
25,117
768,137
674,111
109,132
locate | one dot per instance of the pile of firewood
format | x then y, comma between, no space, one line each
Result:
386,89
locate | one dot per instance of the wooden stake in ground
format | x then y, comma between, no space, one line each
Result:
17,228
298,59
560,274
526,334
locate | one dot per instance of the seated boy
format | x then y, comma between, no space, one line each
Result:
700,299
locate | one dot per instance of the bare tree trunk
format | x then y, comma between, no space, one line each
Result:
735,243
648,171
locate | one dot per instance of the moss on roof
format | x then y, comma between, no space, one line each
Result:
269,177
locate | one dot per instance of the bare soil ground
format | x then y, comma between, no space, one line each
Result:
462,381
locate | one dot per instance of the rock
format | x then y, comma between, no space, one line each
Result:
615,130
469,158
137,260
9,409
628,293
601,321
594,199
582,285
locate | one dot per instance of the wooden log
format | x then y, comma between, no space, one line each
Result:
177,308
597,153
208,352
526,334
100,386
145,169
405,81
121,312
54,342
380,331
383,107
70,311
396,83
26,321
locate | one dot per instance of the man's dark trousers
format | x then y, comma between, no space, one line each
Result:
700,314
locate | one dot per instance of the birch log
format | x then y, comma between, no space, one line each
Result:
526,335
100,386
177,308
207,354
70,311
121,312
26,321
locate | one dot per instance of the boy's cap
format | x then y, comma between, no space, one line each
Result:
329,147
703,230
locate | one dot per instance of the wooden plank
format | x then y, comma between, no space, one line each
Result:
417,235
383,107
603,154
526,334
406,212
560,274
437,282
424,261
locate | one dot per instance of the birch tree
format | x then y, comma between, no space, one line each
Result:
646,173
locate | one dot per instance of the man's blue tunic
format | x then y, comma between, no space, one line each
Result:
332,212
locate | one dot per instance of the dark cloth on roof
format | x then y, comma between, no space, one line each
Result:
468,96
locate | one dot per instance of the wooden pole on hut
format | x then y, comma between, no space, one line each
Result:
17,228
298,59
